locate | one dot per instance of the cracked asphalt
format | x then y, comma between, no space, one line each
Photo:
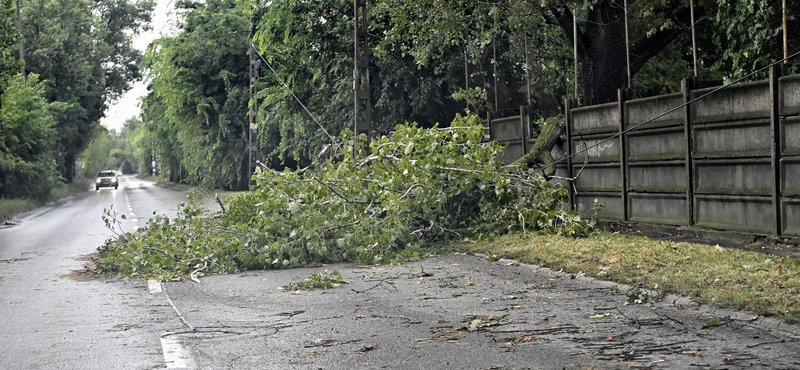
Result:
462,312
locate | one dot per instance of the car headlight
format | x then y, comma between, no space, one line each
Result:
113,179
97,180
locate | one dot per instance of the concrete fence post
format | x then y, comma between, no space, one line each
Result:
524,120
687,85
489,125
622,96
569,104
775,73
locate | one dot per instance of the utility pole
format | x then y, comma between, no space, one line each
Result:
575,47
785,36
494,60
694,43
527,68
21,40
363,103
627,42
252,140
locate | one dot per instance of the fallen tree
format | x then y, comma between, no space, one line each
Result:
541,153
381,202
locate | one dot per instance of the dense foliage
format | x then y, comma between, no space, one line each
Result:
421,54
83,49
109,149
195,116
380,203
79,57
9,37
27,165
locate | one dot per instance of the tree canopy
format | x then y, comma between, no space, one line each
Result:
196,109
424,55
83,49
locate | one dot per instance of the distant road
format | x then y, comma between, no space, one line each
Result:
55,318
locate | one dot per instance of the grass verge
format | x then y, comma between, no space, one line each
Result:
11,207
722,277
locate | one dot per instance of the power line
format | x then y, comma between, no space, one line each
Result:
292,92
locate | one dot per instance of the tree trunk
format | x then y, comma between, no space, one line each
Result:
68,170
601,47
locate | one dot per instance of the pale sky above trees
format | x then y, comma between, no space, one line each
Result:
128,105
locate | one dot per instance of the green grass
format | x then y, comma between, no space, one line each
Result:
722,277
11,207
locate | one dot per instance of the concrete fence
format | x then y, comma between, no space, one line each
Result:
728,161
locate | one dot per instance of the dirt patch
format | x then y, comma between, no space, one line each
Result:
776,246
82,276
88,272
89,257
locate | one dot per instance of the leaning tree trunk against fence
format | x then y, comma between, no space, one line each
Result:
540,153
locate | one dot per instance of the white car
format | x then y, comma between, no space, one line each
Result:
107,178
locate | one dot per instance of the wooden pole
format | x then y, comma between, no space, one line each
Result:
21,39
527,68
494,61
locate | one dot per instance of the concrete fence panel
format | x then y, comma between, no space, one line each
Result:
734,177
598,177
657,145
642,110
790,95
736,213
506,129
750,138
657,177
739,102
594,119
790,217
667,209
597,147
790,136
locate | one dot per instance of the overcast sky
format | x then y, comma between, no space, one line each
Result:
128,105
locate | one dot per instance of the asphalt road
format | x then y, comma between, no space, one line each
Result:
445,312
51,314
461,312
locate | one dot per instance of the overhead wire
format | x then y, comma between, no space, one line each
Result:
333,140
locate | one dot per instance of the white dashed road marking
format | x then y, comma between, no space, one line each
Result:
173,354
154,285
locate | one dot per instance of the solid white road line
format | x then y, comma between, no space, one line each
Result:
173,354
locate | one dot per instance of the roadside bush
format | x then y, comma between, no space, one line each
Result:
27,160
385,201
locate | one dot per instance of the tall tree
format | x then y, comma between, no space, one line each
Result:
309,47
9,37
27,165
426,28
198,99
84,50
